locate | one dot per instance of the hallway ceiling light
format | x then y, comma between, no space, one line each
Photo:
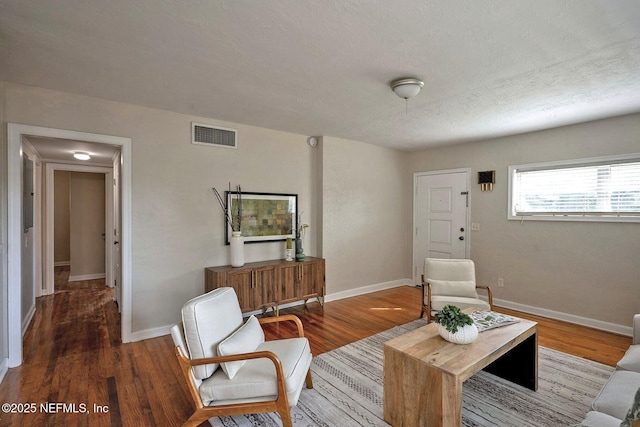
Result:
81,155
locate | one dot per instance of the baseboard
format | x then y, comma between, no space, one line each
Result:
61,263
367,289
4,367
87,277
151,333
166,330
569,318
27,320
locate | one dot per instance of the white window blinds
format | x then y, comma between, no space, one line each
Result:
594,188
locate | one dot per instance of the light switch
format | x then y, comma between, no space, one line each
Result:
475,226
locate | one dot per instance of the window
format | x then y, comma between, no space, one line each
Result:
601,189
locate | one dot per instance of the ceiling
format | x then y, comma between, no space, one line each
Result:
491,68
58,150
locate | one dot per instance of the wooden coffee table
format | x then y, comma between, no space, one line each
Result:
423,373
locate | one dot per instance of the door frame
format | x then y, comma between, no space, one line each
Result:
14,233
416,175
49,276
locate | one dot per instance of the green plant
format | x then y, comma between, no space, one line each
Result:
452,318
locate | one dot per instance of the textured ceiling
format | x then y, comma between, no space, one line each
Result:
490,67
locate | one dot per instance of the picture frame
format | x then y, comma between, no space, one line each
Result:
264,217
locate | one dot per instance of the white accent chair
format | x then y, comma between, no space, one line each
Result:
618,403
451,281
229,368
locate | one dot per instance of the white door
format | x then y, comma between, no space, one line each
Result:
116,252
441,207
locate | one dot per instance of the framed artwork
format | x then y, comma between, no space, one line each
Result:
263,217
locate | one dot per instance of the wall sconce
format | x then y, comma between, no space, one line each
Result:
486,180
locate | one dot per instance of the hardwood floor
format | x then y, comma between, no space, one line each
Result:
73,355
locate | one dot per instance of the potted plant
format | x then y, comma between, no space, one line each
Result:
456,326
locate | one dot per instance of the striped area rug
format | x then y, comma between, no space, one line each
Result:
348,391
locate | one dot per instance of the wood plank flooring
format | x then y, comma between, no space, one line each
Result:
73,355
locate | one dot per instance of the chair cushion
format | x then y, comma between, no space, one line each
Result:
616,397
631,359
438,303
207,320
634,412
244,340
598,419
449,269
257,378
454,288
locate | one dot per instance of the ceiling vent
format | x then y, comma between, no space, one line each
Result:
213,136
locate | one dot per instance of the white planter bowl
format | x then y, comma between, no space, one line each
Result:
465,335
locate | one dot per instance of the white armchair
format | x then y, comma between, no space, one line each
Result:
229,367
451,281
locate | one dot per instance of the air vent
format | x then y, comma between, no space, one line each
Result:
213,136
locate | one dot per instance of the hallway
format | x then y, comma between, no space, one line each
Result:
72,353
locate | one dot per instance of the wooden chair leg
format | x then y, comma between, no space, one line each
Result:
196,419
308,380
285,416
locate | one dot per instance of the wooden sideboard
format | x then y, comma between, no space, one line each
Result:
268,284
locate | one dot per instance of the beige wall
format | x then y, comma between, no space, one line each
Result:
28,253
357,199
86,225
177,226
365,208
585,269
4,333
61,244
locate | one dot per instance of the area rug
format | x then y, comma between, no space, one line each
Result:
348,391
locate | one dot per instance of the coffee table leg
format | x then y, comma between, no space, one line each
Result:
520,364
419,395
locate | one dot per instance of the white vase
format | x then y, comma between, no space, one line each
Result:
237,249
465,335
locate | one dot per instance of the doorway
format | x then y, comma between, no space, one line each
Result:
440,217
14,162
88,238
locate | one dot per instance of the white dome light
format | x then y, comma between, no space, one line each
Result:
407,88
81,155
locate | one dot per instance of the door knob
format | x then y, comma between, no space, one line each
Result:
461,237
116,242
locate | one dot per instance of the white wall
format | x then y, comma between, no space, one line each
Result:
366,211
87,223
28,242
177,226
357,199
61,245
4,335
584,269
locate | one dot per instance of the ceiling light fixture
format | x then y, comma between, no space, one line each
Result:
81,155
407,87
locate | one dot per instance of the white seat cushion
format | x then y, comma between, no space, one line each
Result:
454,288
616,397
244,340
207,320
257,378
438,303
598,419
631,359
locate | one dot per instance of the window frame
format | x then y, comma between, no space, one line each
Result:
586,217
